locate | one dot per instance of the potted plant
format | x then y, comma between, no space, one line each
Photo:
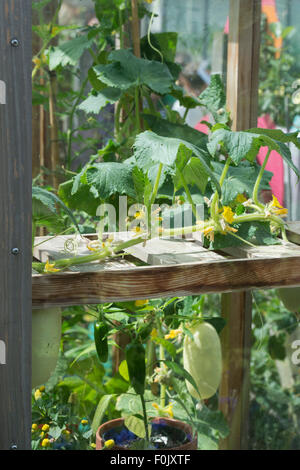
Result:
161,387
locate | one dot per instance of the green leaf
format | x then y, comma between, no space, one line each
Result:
93,104
111,178
278,135
180,131
214,99
123,370
69,53
169,347
84,199
276,347
135,425
150,149
166,43
185,100
100,411
126,71
44,207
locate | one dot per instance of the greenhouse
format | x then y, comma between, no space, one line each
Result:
150,227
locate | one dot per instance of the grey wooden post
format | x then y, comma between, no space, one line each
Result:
15,224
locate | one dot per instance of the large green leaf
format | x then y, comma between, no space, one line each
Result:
84,199
125,71
214,99
246,144
278,135
166,43
180,131
189,170
151,149
111,178
44,208
69,53
94,103
100,411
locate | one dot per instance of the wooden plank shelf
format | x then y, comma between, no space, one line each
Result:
174,267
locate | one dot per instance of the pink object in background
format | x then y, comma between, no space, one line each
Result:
275,163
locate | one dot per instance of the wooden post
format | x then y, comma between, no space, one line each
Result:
242,97
15,227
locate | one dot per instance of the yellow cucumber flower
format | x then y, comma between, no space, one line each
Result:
46,428
228,215
240,198
50,268
153,334
173,334
37,395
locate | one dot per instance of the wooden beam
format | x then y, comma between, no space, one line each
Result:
15,227
243,62
145,282
242,98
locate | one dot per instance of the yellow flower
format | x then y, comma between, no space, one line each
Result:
149,1
209,233
228,214
84,421
37,395
173,334
141,303
49,268
93,445
277,208
153,334
240,199
42,388
42,435
37,62
166,411
169,410
139,215
46,427
34,427
92,248
45,443
109,444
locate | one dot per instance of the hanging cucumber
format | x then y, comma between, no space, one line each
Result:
202,358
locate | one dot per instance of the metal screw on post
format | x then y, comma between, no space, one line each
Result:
15,251
13,447
14,42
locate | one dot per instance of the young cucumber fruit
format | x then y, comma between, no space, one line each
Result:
290,296
202,358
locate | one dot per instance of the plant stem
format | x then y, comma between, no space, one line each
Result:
187,191
156,185
70,127
215,200
257,183
162,358
137,109
145,417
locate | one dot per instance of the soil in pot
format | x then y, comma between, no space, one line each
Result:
166,434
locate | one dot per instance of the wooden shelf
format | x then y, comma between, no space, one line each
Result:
170,267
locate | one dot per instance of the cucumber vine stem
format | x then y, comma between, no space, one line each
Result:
258,180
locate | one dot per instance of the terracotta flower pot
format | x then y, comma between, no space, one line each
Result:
192,445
